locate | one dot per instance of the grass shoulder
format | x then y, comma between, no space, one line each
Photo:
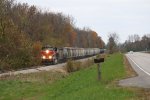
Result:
80,85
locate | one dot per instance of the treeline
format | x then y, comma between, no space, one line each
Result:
24,29
137,43
133,43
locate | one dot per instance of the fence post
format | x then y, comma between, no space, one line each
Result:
98,61
99,71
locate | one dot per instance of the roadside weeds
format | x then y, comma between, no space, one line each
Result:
129,70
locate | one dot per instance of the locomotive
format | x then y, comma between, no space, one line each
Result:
55,55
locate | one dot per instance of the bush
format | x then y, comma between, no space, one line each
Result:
87,63
77,65
36,57
4,66
20,56
69,66
36,48
72,66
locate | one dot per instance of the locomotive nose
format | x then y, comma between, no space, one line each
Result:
50,57
43,57
47,51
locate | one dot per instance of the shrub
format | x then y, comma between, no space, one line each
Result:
36,48
4,66
72,66
77,65
87,63
69,66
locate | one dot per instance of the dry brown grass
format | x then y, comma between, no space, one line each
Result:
41,77
129,70
73,66
103,56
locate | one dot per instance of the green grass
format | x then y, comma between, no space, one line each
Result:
80,85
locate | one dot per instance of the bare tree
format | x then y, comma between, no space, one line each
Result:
137,43
113,39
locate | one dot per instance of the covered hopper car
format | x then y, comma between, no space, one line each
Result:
55,55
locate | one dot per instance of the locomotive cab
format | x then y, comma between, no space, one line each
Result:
49,55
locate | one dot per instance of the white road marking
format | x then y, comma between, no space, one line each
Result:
139,66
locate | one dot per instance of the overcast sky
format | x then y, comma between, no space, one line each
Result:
124,17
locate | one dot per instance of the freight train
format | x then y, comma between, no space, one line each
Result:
55,55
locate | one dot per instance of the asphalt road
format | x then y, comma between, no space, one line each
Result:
141,64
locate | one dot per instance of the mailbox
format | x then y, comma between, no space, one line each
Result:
99,60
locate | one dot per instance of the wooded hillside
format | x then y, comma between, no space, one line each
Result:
24,29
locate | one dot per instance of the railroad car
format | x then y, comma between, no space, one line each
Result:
54,55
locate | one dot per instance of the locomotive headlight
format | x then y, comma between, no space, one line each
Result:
47,51
43,57
50,57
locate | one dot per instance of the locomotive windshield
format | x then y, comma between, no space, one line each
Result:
47,48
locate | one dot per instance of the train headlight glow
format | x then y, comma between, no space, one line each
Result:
43,57
47,51
50,57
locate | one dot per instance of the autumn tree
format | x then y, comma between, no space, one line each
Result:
24,29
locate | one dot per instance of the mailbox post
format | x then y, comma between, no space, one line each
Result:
98,61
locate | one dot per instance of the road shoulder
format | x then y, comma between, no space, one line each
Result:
139,79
